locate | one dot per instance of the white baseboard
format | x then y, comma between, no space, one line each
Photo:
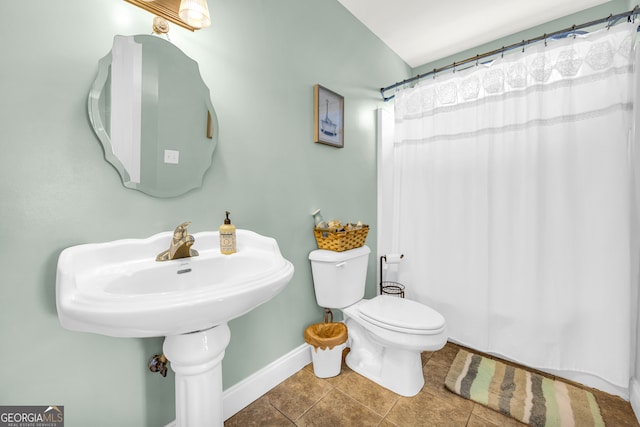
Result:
634,396
240,395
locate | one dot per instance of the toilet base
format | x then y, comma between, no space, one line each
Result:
398,370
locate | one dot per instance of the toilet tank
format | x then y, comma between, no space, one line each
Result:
339,278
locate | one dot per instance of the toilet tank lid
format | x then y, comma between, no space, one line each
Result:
324,255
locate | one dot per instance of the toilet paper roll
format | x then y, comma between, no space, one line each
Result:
394,258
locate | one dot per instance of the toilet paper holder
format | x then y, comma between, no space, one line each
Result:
387,287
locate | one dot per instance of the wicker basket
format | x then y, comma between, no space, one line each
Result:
339,241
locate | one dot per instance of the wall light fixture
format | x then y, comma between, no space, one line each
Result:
195,13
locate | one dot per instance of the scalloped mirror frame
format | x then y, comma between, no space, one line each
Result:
185,128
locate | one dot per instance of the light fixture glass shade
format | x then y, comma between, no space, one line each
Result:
195,13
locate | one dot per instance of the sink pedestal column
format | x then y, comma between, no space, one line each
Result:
196,359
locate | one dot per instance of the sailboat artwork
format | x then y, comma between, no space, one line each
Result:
328,112
326,125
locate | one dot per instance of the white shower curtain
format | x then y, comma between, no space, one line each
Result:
512,200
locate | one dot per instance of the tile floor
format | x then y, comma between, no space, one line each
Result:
352,400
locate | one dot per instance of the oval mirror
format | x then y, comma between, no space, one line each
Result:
153,115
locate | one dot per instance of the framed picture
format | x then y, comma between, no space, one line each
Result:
328,117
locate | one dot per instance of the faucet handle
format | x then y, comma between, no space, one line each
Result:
181,231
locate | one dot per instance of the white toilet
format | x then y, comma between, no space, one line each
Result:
386,333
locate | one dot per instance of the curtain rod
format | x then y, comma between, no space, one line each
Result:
611,19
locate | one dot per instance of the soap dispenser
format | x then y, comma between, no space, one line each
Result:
227,237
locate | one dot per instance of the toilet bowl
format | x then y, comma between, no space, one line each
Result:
386,333
387,353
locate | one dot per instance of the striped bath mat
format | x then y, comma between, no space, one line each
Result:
525,396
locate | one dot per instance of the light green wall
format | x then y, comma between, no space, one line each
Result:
260,60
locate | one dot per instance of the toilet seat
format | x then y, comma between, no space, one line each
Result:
401,315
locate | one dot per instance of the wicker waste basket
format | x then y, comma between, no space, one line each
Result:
327,340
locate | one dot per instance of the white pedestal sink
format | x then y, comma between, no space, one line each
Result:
119,289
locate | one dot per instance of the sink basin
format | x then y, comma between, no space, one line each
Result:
119,289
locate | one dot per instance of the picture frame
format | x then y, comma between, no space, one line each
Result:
328,117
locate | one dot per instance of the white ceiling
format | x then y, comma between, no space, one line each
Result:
422,31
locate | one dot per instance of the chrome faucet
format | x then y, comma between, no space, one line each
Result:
180,244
